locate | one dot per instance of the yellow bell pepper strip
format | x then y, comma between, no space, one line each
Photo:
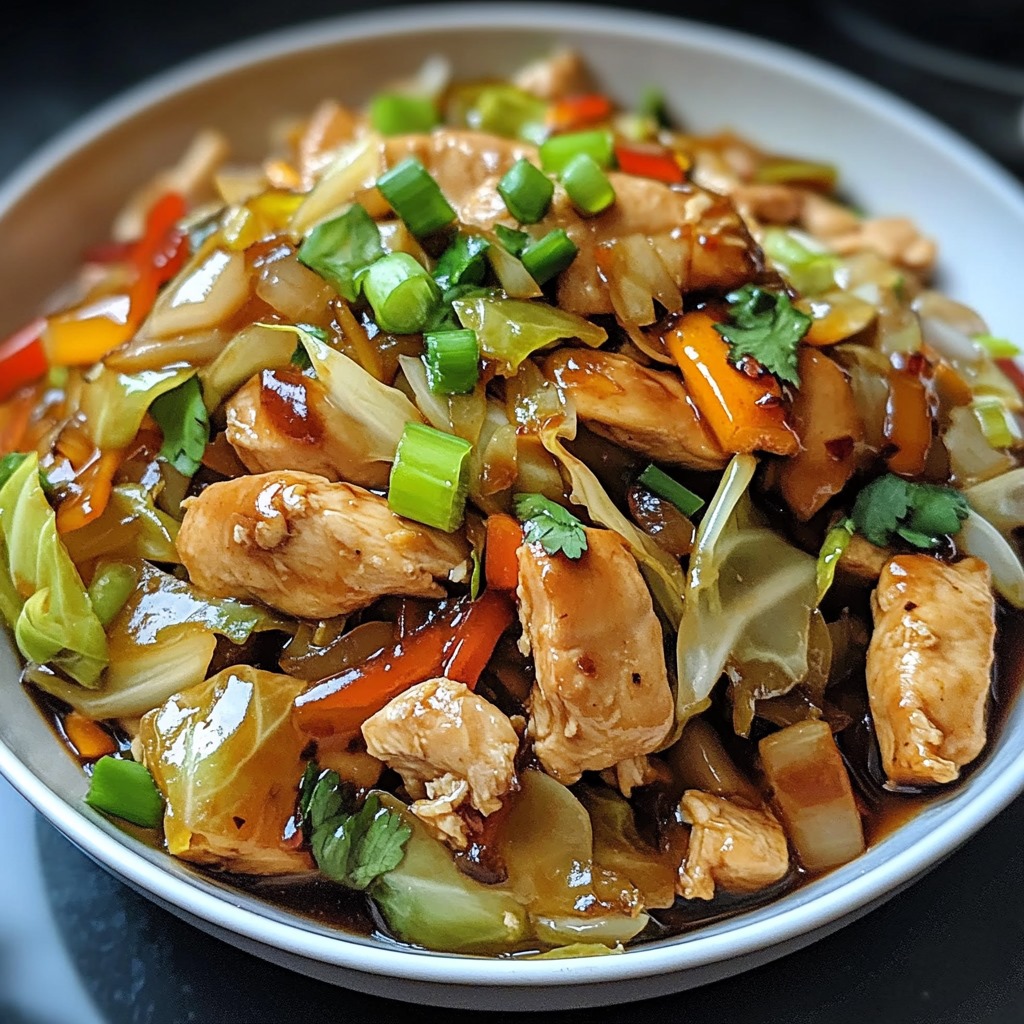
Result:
744,413
22,358
908,417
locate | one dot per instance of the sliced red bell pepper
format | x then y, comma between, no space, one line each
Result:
578,111
22,358
650,162
158,255
457,642
1013,371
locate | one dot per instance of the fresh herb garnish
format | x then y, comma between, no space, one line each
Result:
765,326
462,263
300,357
181,415
351,847
339,249
552,526
922,515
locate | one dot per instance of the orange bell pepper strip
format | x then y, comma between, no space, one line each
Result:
88,738
650,162
89,493
457,642
907,428
744,413
501,566
22,358
578,111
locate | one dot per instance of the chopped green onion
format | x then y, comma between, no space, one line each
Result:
588,186
414,195
430,477
557,152
549,256
996,421
403,295
452,359
506,110
664,486
126,790
511,240
111,587
339,249
393,113
836,541
997,348
527,192
462,263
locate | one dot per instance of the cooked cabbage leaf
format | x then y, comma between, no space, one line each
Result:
509,330
129,527
161,642
114,404
228,763
252,349
749,596
42,597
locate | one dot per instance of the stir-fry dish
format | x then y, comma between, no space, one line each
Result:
506,523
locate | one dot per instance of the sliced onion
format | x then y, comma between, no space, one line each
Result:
294,291
933,305
148,353
514,277
980,538
434,407
205,297
396,237
950,342
1000,500
971,457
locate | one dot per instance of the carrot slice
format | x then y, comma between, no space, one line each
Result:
908,421
501,566
744,413
579,111
90,740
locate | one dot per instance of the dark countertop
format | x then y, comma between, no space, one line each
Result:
77,947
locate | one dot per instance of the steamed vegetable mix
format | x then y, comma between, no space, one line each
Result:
536,527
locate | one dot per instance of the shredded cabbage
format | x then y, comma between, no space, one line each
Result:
41,594
252,349
129,527
749,596
509,330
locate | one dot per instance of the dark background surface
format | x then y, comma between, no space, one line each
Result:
77,947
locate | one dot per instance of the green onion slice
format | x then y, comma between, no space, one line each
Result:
558,151
126,790
462,263
588,186
997,348
430,477
452,359
996,421
414,195
664,486
512,241
339,249
548,257
527,192
393,113
403,295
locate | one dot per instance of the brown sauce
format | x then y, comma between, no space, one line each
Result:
286,401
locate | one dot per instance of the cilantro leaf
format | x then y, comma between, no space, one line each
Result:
552,526
922,515
181,415
352,848
339,249
766,326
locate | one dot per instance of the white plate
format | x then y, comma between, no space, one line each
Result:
893,160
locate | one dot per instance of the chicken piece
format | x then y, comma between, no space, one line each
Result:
559,74
928,666
329,128
601,694
647,411
309,547
461,162
698,236
768,203
282,419
453,749
738,849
